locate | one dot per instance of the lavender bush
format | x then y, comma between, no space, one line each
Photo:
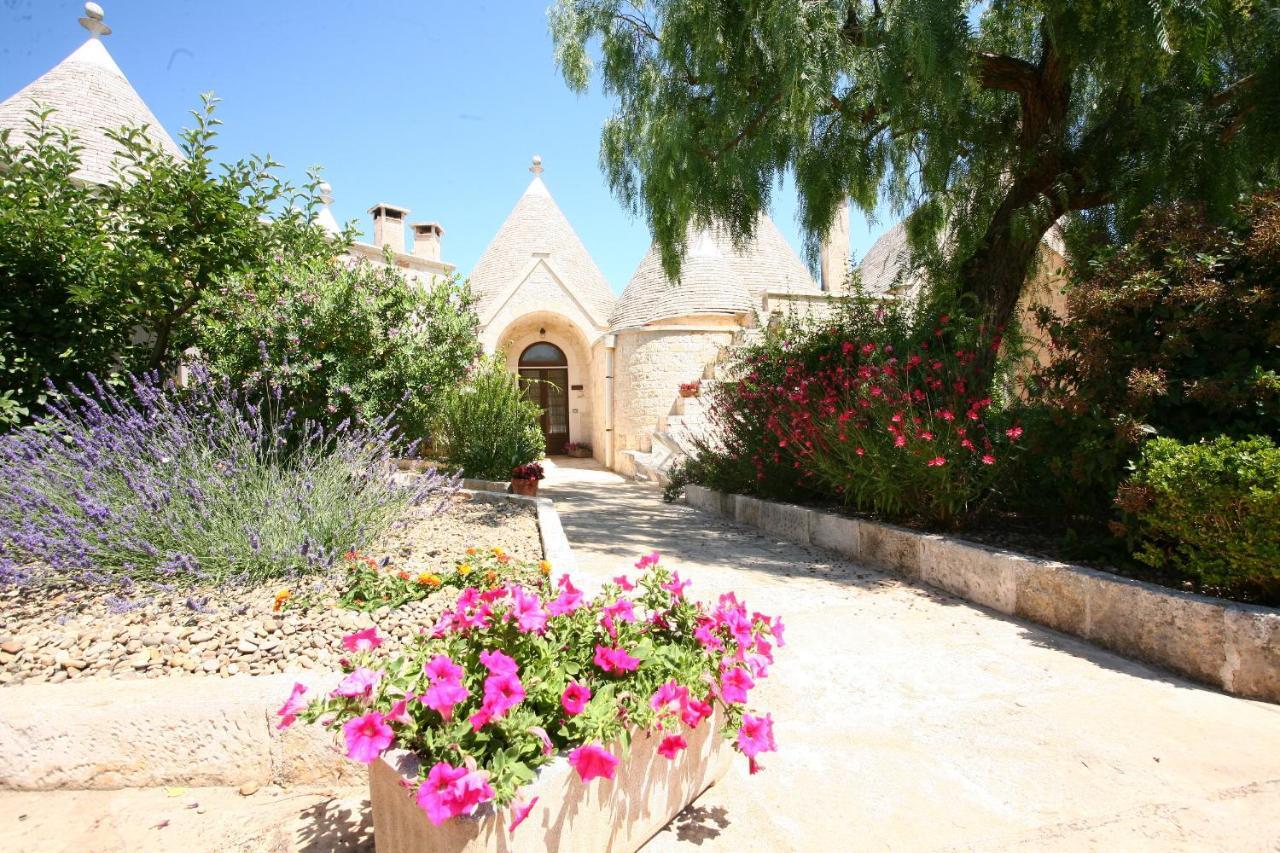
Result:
206,484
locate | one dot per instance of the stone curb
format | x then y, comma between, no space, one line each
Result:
1232,646
185,730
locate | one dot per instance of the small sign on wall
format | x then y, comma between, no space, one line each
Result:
575,387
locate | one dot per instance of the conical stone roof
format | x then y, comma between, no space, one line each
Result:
715,278
537,227
91,95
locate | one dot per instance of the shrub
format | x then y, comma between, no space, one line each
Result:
344,340
486,426
512,677
1209,512
867,410
192,486
84,268
1176,333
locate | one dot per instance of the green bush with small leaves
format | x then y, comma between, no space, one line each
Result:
1210,512
486,425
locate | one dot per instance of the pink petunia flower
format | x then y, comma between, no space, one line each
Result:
756,735
650,559
615,660
449,791
624,582
593,761
502,692
676,586
734,684
367,737
668,694
362,641
778,629
399,712
520,811
541,734
671,746
442,668
359,684
498,662
526,609
292,706
574,698
621,610
442,696
569,599
695,711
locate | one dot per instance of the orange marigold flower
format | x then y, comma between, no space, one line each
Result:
471,552
428,579
544,567
403,575
281,597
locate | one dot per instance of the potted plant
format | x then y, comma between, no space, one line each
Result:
690,389
578,450
594,720
524,479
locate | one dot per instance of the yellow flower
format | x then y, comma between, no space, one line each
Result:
428,579
281,597
464,569
497,552
544,567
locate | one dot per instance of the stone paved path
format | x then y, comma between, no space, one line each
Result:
911,720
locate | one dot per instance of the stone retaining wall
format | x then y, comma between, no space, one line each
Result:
185,730
1235,647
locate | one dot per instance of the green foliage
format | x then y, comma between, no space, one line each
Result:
486,426
1209,512
371,585
105,279
343,341
984,122
1175,334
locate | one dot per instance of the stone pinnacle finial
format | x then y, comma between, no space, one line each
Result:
536,168
92,21
326,193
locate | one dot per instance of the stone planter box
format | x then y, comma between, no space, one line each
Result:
1231,646
580,453
621,814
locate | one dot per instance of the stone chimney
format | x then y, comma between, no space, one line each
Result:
426,240
388,226
833,259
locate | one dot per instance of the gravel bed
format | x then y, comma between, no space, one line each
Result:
64,635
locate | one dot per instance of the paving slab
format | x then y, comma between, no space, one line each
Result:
909,719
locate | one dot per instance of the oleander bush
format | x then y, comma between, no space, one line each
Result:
486,426
212,483
344,340
1209,512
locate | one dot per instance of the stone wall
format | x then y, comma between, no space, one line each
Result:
650,365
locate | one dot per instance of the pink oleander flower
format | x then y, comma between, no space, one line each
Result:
574,698
624,582
937,462
362,641
592,761
449,791
676,586
499,662
359,684
527,610
615,660
442,668
671,746
520,811
367,737
292,706
650,559
569,599
756,735
442,696
734,684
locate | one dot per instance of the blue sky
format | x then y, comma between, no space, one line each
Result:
436,106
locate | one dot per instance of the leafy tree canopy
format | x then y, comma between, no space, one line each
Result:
985,122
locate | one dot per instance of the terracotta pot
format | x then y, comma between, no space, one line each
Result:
521,486
620,814
684,392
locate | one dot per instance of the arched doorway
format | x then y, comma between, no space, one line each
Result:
544,371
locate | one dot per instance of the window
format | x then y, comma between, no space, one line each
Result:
543,354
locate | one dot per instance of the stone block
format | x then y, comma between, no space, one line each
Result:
1183,632
1253,652
746,510
1051,594
889,548
698,497
972,572
786,521
835,533
620,814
